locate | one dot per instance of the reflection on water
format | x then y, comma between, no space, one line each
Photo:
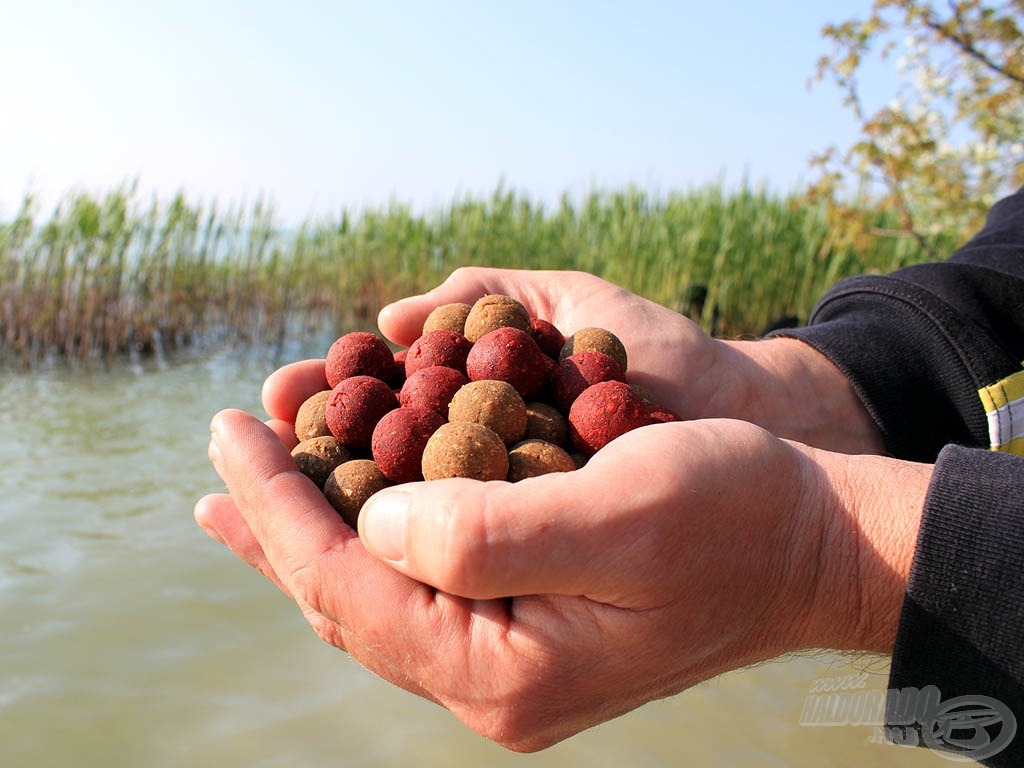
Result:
132,639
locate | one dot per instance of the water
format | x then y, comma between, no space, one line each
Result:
130,638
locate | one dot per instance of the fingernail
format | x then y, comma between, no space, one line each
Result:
217,423
200,513
382,524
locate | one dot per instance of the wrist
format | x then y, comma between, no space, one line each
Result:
795,392
870,510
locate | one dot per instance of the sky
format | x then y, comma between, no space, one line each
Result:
319,106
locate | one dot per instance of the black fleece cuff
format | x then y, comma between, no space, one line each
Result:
960,627
907,355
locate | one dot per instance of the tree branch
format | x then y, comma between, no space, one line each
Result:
963,40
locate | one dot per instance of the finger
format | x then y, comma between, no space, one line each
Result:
351,599
479,540
316,556
285,431
402,321
586,532
290,386
219,517
393,625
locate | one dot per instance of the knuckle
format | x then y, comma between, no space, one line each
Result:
460,546
307,584
303,569
462,273
328,631
463,553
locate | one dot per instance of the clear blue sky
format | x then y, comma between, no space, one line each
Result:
323,105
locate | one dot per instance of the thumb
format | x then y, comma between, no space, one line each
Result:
485,540
402,320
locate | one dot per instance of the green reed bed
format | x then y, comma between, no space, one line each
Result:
103,277
107,277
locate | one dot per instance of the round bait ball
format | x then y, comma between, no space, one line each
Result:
439,347
603,412
545,422
579,371
354,408
351,484
658,412
495,311
548,337
432,387
465,449
595,340
317,457
447,317
492,404
532,458
508,354
399,439
311,419
359,353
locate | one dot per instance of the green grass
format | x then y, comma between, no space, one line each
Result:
105,276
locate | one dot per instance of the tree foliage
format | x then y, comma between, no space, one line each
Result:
951,139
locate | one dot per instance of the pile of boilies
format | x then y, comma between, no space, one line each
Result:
486,392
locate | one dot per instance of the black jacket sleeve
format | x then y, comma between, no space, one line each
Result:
962,625
935,353
918,345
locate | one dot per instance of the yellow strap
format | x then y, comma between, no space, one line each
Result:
1004,404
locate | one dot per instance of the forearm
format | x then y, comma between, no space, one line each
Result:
795,392
872,509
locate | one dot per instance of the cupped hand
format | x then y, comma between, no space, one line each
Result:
781,384
668,354
535,610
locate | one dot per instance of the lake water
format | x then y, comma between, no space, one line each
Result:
131,639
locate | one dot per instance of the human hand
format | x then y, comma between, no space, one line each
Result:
535,610
781,384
